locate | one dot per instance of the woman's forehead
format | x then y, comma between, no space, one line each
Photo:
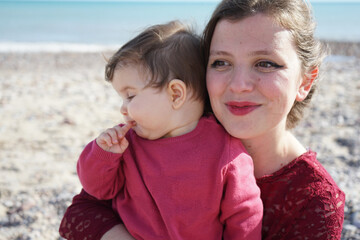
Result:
259,32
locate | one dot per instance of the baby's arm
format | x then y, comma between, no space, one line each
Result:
241,207
99,164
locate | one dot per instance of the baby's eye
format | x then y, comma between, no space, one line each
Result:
267,65
130,96
219,64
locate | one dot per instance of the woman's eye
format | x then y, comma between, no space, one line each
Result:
219,64
268,65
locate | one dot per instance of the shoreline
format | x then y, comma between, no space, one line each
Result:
53,103
344,48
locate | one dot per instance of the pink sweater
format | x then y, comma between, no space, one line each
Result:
196,186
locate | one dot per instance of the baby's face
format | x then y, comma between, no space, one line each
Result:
148,108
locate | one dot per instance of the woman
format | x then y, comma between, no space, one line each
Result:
263,64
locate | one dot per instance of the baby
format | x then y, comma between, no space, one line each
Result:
171,171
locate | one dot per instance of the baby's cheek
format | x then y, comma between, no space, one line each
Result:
133,110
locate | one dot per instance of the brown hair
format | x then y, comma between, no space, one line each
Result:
293,15
167,51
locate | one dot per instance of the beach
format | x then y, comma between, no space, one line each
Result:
53,103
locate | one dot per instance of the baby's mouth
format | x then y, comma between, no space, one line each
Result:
133,123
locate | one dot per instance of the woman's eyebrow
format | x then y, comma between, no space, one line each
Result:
260,52
216,52
254,53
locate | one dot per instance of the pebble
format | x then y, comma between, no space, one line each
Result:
356,219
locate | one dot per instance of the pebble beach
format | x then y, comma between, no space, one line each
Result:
53,103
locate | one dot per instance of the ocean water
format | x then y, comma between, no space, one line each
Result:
56,24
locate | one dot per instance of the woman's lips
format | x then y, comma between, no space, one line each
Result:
241,108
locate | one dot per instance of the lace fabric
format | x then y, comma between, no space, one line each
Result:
301,201
87,218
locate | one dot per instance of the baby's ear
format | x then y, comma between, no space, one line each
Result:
177,91
306,85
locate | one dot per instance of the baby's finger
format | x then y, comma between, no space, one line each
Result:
121,131
127,127
113,134
124,144
104,138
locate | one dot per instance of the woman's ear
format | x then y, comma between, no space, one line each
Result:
177,91
306,85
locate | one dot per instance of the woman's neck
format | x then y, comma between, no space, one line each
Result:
272,151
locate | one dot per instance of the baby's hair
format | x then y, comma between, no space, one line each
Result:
166,51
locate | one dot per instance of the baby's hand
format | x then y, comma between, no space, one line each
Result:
113,139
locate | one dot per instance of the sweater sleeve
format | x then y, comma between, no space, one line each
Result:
241,207
321,218
87,218
100,172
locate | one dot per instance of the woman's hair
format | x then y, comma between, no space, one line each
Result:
166,51
293,15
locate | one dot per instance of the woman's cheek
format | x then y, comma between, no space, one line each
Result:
213,84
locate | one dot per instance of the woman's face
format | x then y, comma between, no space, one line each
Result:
253,75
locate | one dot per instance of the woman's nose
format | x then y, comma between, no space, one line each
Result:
241,80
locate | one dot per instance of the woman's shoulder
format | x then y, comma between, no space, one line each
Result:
309,169
307,193
323,190
305,174
306,167
323,200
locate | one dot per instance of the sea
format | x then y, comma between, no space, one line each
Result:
87,25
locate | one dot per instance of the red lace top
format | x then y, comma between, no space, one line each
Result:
301,201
